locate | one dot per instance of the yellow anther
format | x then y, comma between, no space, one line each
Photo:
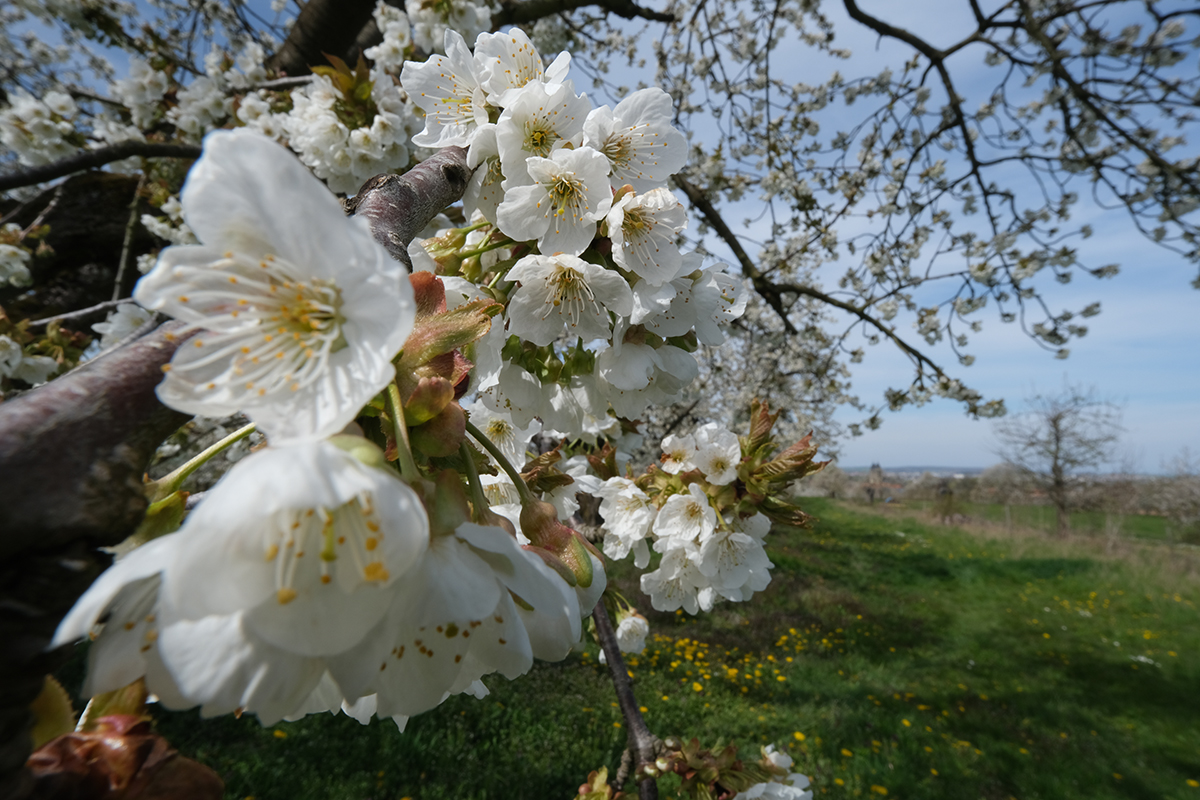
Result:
375,571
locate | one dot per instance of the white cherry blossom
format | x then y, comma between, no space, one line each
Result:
718,454
447,89
485,190
540,119
567,195
300,309
719,299
508,61
293,558
564,293
512,439
455,620
628,516
677,584
685,517
638,139
642,228
678,452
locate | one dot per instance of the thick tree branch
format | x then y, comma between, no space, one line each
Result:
96,158
642,742
72,454
398,207
73,451
514,13
323,26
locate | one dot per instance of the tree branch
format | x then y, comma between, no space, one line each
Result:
713,217
96,158
323,26
398,207
890,333
514,13
642,742
73,451
83,312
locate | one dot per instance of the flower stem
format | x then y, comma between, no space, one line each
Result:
487,444
170,483
486,248
642,742
408,467
477,495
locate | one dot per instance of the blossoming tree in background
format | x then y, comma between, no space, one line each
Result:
440,365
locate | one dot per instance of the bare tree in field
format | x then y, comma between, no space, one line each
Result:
1003,483
1057,436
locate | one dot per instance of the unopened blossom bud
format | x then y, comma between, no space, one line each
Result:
539,521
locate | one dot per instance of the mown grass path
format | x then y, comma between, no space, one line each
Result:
888,657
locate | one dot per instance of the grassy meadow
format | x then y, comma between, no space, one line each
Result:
1042,518
888,656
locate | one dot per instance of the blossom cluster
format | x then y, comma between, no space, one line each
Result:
573,228
40,131
370,558
706,508
313,576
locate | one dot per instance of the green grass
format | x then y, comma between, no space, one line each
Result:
931,664
1042,518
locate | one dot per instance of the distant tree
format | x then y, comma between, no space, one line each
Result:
1177,497
1003,483
1056,437
922,488
874,485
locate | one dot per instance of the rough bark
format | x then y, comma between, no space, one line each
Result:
398,207
323,26
72,454
73,451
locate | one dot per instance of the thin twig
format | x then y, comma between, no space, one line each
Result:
641,741
83,312
277,85
129,226
96,158
42,214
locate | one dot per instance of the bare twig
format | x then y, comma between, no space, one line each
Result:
96,158
31,227
83,312
276,85
129,226
642,742
513,13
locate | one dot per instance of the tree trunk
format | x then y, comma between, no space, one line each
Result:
1063,520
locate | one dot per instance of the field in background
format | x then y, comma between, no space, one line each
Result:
890,657
1042,518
